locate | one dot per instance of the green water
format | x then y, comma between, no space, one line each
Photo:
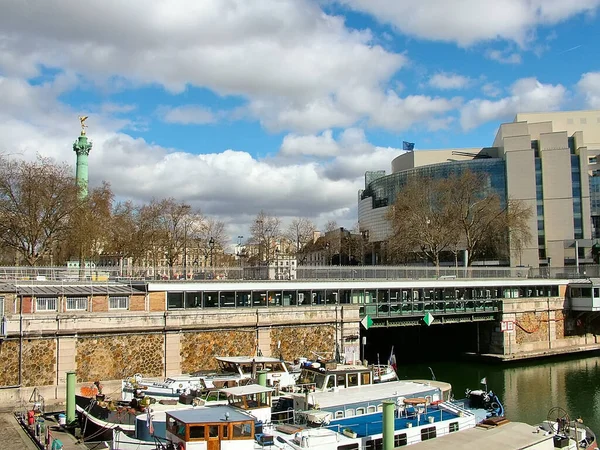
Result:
528,390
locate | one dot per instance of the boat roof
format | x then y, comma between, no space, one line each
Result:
368,392
338,368
221,413
247,359
442,385
247,390
513,435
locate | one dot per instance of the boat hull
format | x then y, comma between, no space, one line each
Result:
97,422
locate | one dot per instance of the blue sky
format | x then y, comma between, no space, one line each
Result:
237,106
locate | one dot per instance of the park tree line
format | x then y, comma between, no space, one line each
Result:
45,221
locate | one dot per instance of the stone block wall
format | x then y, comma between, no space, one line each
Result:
198,349
531,327
9,368
117,357
297,341
39,362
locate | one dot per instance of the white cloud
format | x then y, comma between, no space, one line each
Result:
527,95
491,89
187,115
503,56
322,145
231,184
589,86
288,58
449,81
469,21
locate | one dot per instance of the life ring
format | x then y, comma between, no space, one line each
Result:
180,446
495,405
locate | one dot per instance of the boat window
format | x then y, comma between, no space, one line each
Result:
400,440
330,382
352,379
213,431
348,447
360,411
375,444
197,432
366,378
428,433
339,414
453,427
371,409
380,407
341,380
349,412
225,431
241,430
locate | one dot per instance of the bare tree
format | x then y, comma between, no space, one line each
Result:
483,218
421,220
265,230
36,202
300,231
209,237
90,225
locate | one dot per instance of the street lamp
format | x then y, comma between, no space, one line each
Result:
327,247
211,245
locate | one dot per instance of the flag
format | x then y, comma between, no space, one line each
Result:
410,146
392,360
483,380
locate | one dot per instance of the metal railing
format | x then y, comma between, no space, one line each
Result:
177,273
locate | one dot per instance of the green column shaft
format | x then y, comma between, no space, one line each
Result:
388,424
70,397
81,174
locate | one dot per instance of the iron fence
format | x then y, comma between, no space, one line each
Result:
177,273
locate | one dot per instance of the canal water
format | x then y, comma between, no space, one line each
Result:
528,389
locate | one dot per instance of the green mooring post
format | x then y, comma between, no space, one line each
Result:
389,409
262,378
70,397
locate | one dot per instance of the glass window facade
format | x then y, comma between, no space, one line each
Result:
383,190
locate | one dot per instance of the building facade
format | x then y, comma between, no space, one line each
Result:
549,161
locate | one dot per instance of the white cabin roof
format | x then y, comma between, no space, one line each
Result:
512,435
247,390
368,392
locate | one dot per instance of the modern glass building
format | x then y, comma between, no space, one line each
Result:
546,160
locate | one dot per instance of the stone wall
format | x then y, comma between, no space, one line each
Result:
199,349
296,341
9,368
531,327
39,362
116,357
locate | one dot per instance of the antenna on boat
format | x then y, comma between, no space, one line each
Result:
432,374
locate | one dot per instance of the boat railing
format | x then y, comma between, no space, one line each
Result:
301,388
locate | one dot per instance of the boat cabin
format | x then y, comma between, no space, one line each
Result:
210,428
330,376
247,367
254,398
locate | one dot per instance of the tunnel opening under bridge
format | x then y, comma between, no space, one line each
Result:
422,343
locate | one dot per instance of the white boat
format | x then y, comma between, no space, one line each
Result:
232,371
149,428
327,376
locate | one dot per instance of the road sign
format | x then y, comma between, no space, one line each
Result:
367,322
428,319
507,326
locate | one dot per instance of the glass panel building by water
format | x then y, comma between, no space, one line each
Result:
548,161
